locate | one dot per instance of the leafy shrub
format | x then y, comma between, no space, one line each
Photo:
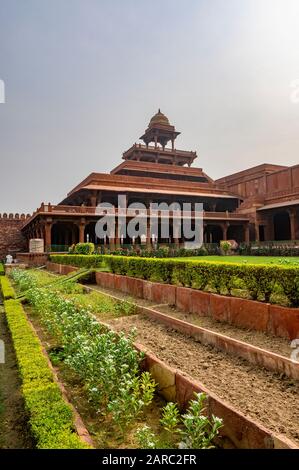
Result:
2,272
23,279
270,248
261,281
50,418
84,249
81,261
146,438
225,246
6,289
198,430
106,362
192,430
166,251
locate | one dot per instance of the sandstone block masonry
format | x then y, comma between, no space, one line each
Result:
12,241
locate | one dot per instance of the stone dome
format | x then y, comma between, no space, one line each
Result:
159,118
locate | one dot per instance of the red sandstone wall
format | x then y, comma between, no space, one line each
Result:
12,240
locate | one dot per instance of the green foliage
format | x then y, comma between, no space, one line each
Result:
146,438
84,249
192,430
198,430
270,248
166,251
68,287
170,417
135,393
50,418
81,261
2,271
106,362
6,288
25,280
260,280
225,246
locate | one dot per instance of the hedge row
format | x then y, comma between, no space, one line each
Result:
82,261
50,418
6,289
261,281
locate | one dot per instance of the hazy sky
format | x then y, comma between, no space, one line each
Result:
83,78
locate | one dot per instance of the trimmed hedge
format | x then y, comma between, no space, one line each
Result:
50,418
6,289
82,261
83,249
259,280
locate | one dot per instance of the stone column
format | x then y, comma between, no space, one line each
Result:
48,239
117,237
257,232
93,198
246,233
81,230
224,230
148,233
292,214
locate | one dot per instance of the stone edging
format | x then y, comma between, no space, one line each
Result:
250,314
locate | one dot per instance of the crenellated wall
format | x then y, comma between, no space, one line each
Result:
12,241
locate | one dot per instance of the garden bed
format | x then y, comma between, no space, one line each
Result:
243,428
259,316
268,398
114,388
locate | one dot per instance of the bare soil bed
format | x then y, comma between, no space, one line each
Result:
266,397
256,338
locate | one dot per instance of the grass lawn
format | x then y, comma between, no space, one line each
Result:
246,259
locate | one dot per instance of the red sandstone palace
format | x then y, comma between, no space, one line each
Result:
257,204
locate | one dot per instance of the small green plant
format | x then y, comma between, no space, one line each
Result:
134,395
146,438
124,308
84,249
198,431
170,417
225,246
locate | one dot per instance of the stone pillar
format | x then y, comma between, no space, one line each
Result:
117,237
81,230
246,233
292,214
48,230
257,232
73,234
224,230
148,233
93,198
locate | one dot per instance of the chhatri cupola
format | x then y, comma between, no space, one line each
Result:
160,131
